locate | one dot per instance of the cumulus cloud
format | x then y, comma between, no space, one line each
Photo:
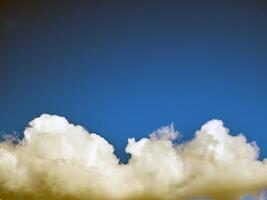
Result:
59,160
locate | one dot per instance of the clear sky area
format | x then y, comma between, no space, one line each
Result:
125,68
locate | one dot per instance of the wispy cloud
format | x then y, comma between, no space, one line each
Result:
11,24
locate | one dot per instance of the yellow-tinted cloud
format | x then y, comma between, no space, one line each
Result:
58,160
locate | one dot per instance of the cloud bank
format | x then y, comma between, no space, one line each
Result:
59,160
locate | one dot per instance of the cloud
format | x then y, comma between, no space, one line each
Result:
11,24
58,160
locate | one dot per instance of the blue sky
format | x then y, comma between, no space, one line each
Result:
125,68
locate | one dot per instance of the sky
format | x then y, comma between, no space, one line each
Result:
125,68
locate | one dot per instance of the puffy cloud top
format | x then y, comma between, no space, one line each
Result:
58,160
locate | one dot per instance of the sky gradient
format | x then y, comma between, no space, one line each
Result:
126,68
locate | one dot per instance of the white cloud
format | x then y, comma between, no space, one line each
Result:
58,160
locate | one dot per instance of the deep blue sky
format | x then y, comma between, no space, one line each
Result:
125,68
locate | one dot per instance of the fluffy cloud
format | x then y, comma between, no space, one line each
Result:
58,160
